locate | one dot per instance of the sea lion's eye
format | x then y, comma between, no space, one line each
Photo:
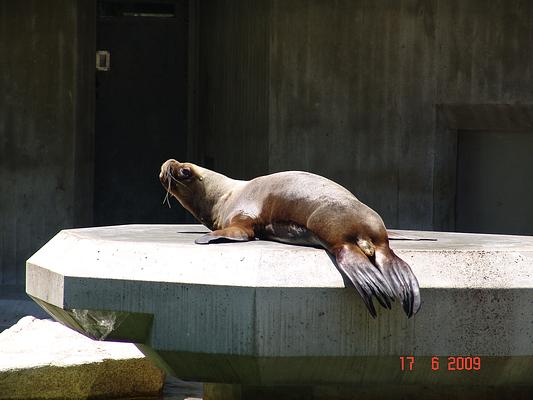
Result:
185,173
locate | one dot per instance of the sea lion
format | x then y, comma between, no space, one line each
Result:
298,208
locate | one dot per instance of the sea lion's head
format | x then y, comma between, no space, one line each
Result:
181,180
197,189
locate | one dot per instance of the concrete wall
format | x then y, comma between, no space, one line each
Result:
353,87
233,85
45,127
351,99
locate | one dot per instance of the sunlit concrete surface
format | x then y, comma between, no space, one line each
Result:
261,314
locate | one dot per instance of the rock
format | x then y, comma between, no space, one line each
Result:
42,359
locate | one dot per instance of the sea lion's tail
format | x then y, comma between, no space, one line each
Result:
384,275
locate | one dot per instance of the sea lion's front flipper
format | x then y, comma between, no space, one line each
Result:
367,278
231,233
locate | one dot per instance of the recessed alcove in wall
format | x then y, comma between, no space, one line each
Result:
494,182
484,168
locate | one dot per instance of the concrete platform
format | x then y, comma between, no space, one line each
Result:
261,315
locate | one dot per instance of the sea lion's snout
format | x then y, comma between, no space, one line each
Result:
166,168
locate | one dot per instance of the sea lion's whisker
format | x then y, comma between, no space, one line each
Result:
167,200
176,180
169,175
168,191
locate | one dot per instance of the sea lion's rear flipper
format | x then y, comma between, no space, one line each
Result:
366,278
401,278
231,233
389,278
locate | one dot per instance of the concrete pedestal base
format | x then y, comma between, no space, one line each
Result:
265,314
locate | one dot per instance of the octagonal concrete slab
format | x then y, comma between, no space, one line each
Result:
265,313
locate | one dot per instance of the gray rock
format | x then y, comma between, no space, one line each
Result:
42,359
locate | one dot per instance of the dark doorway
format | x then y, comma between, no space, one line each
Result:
141,108
494,182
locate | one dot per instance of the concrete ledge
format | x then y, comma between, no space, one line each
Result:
42,359
264,313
